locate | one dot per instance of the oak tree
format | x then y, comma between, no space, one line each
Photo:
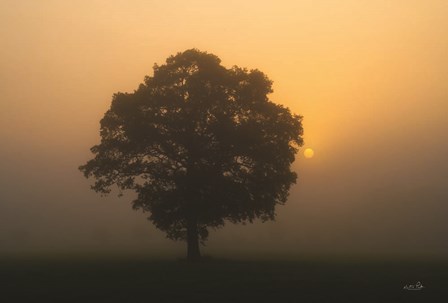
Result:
200,144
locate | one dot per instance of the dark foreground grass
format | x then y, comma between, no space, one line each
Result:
139,280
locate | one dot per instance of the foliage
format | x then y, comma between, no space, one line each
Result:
199,144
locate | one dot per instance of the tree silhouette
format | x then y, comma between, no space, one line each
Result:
200,144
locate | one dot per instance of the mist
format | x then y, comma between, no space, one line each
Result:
369,79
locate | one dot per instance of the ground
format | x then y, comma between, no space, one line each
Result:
129,280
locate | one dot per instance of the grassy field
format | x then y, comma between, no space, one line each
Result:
140,280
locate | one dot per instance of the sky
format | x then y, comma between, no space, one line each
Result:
369,78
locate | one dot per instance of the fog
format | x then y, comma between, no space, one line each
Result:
369,77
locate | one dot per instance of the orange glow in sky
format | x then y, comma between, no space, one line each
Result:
367,76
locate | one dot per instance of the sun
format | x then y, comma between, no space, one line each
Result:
308,153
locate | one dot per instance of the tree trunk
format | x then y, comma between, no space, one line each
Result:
193,253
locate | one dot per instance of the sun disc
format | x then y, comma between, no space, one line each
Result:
308,153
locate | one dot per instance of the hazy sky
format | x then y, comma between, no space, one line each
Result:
369,77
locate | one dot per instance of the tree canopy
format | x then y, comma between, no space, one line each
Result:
200,144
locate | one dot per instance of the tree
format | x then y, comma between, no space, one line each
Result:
200,145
